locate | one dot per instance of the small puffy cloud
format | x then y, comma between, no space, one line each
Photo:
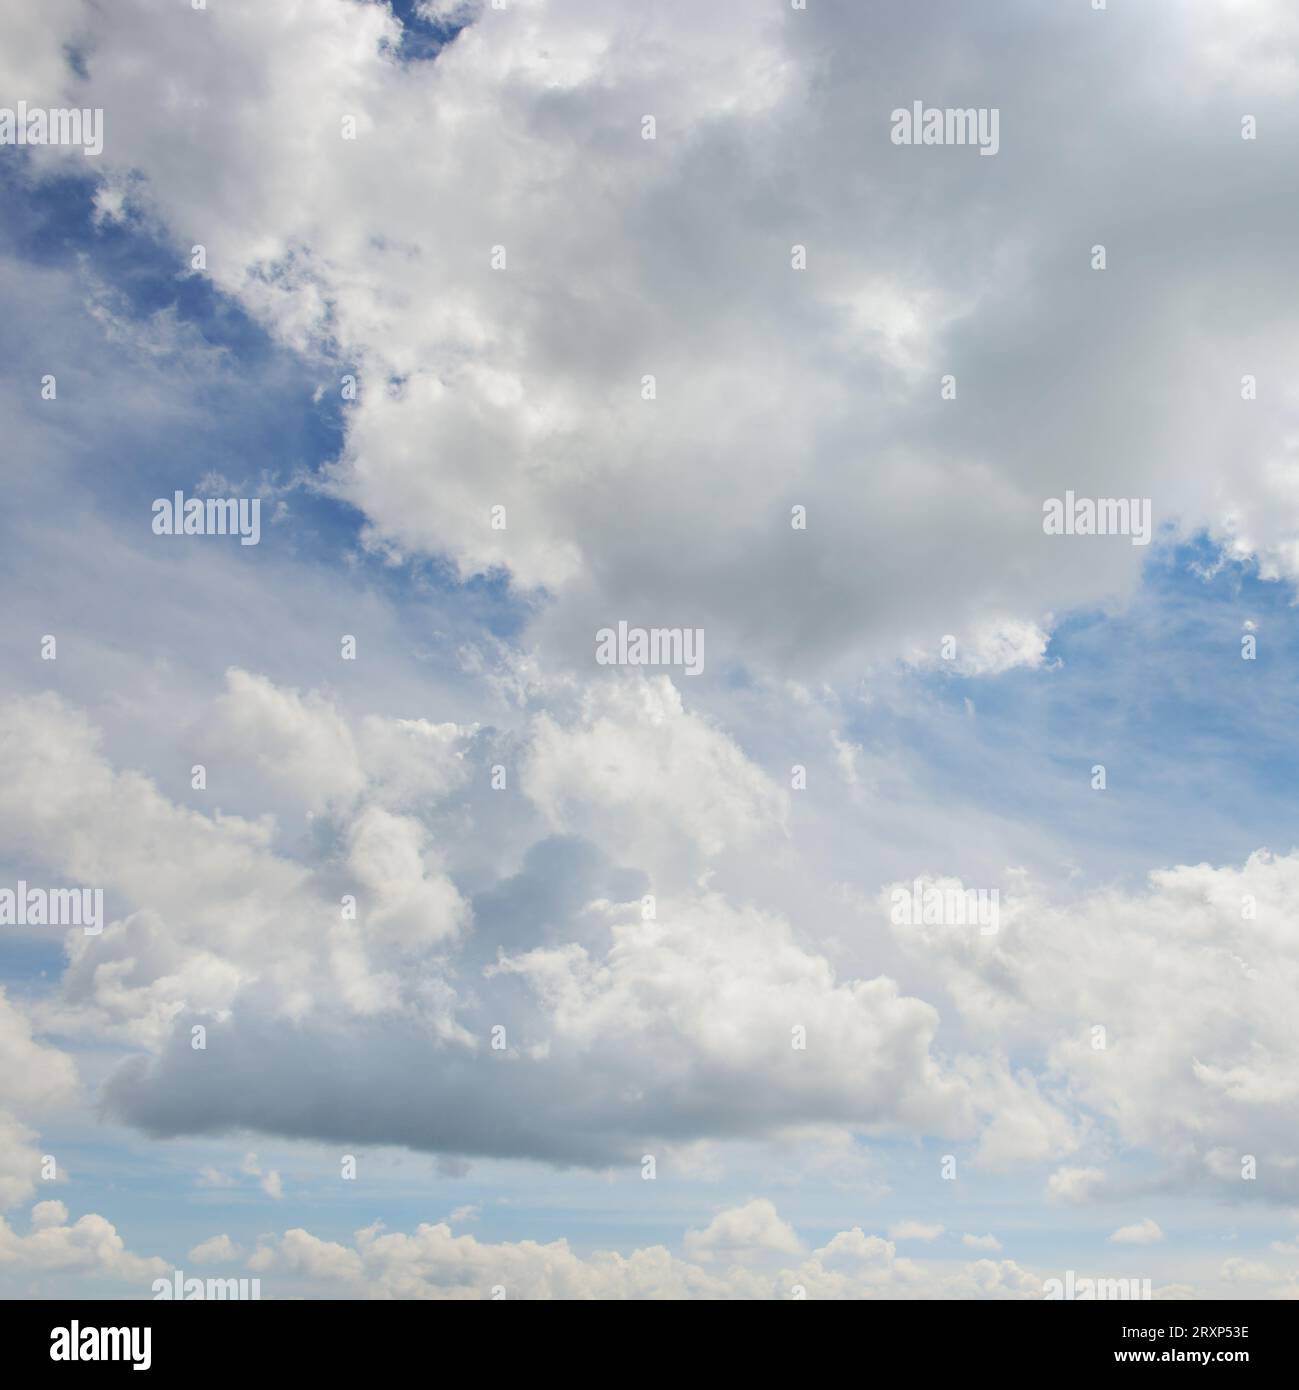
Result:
752,1229
915,1230
217,1250
89,1246
990,648
1074,1186
988,1242
1141,1233
270,1183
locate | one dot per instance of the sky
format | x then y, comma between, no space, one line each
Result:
441,957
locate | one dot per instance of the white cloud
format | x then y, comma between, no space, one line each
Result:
915,1230
1074,1186
1140,1233
32,1075
1182,1082
270,1182
34,1079
297,742
216,1250
991,647
89,1246
215,908
49,1214
301,1253
523,386
743,1253
742,1231
637,762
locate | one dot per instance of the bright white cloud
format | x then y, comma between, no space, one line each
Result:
742,1231
217,1250
89,1246
1139,1233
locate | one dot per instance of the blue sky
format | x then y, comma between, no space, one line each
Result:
621,867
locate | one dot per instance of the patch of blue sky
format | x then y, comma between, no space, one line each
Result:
1199,745
423,36
269,418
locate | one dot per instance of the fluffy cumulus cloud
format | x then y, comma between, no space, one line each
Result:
741,1231
622,258
639,1018
88,1246
670,1018
218,1250
1141,1233
746,1252
207,905
1100,989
